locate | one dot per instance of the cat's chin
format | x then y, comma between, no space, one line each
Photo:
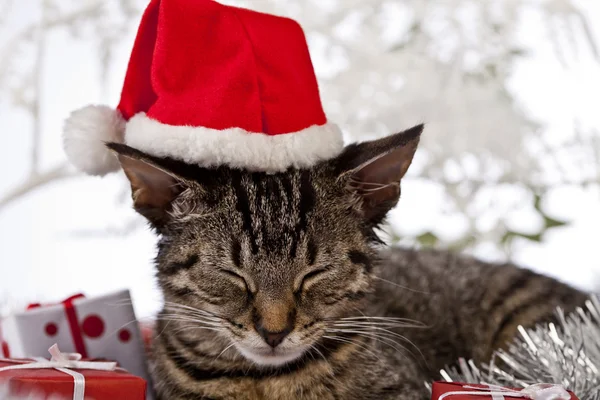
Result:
272,357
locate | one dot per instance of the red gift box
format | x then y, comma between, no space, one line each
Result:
67,377
99,326
468,391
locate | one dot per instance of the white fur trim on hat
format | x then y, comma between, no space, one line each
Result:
85,135
234,147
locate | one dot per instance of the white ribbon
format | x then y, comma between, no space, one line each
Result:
540,391
494,396
65,362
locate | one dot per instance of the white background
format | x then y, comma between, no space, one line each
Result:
52,242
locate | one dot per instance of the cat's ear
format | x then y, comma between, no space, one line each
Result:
373,171
153,186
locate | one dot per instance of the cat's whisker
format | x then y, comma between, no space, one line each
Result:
134,321
224,350
314,347
332,374
193,321
390,334
367,327
187,312
201,323
353,342
378,317
189,319
400,286
378,324
170,304
189,316
184,306
311,354
369,318
215,328
383,331
186,328
380,338
378,320
163,329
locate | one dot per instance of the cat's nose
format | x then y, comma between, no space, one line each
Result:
273,339
273,318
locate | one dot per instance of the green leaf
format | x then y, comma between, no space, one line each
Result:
492,70
518,52
534,238
509,236
537,203
461,244
549,222
395,238
427,239
552,223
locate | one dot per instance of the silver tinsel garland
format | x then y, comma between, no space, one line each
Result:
568,354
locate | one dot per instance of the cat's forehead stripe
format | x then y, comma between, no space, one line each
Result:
243,206
274,209
236,250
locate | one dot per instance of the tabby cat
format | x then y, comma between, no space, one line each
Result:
276,286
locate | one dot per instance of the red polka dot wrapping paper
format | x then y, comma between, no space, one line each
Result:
102,327
99,385
440,388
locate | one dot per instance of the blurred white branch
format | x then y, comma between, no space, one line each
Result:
25,85
36,181
37,106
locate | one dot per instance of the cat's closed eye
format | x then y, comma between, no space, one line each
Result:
309,279
237,279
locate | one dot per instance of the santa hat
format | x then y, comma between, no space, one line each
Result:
211,85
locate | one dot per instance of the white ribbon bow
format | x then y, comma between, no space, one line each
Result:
540,391
65,362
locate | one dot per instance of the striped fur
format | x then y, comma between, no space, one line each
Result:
276,286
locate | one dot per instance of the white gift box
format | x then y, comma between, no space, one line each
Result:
98,327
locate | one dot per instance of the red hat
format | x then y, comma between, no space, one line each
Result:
211,85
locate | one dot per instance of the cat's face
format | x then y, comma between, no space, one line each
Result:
277,255
269,261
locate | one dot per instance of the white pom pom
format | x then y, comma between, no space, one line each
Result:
85,134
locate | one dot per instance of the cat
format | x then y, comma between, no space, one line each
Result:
277,286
